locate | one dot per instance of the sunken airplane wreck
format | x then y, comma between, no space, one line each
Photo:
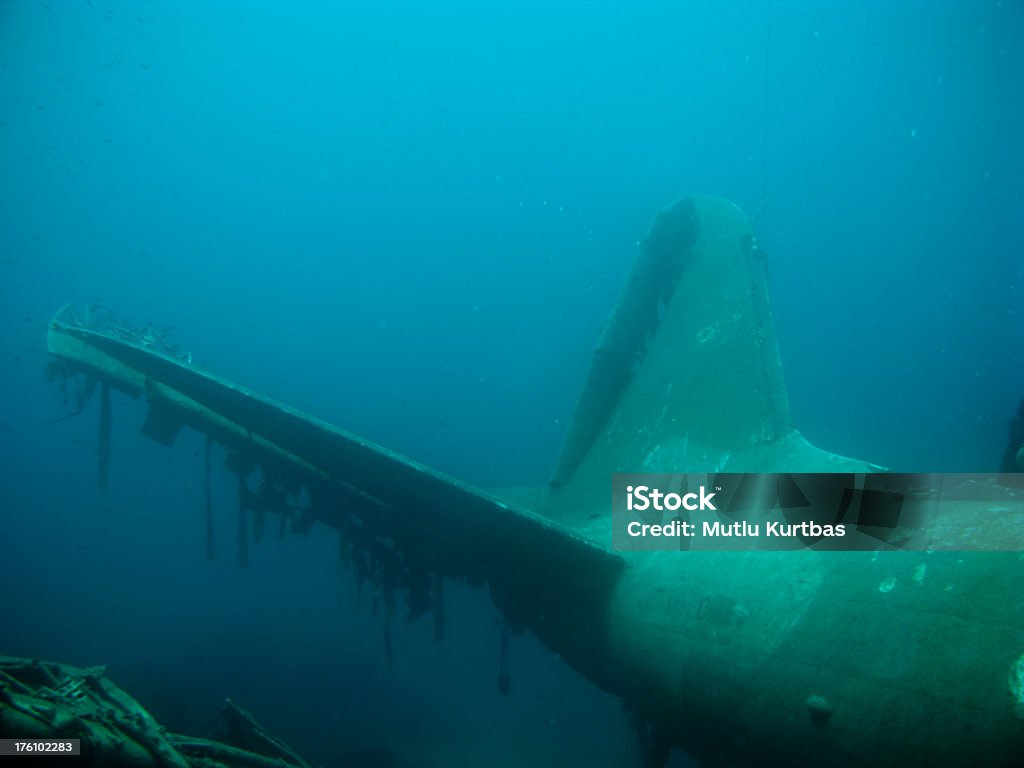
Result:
743,658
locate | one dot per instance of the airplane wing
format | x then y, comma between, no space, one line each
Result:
354,484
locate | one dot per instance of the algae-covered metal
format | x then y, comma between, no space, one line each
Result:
802,658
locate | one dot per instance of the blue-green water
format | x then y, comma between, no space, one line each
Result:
412,220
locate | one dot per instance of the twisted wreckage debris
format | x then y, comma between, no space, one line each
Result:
743,658
45,700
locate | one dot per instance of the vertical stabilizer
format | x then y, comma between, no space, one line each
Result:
686,376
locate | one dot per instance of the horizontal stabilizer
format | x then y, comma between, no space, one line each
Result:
484,535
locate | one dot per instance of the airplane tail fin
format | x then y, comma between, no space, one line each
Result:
686,376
